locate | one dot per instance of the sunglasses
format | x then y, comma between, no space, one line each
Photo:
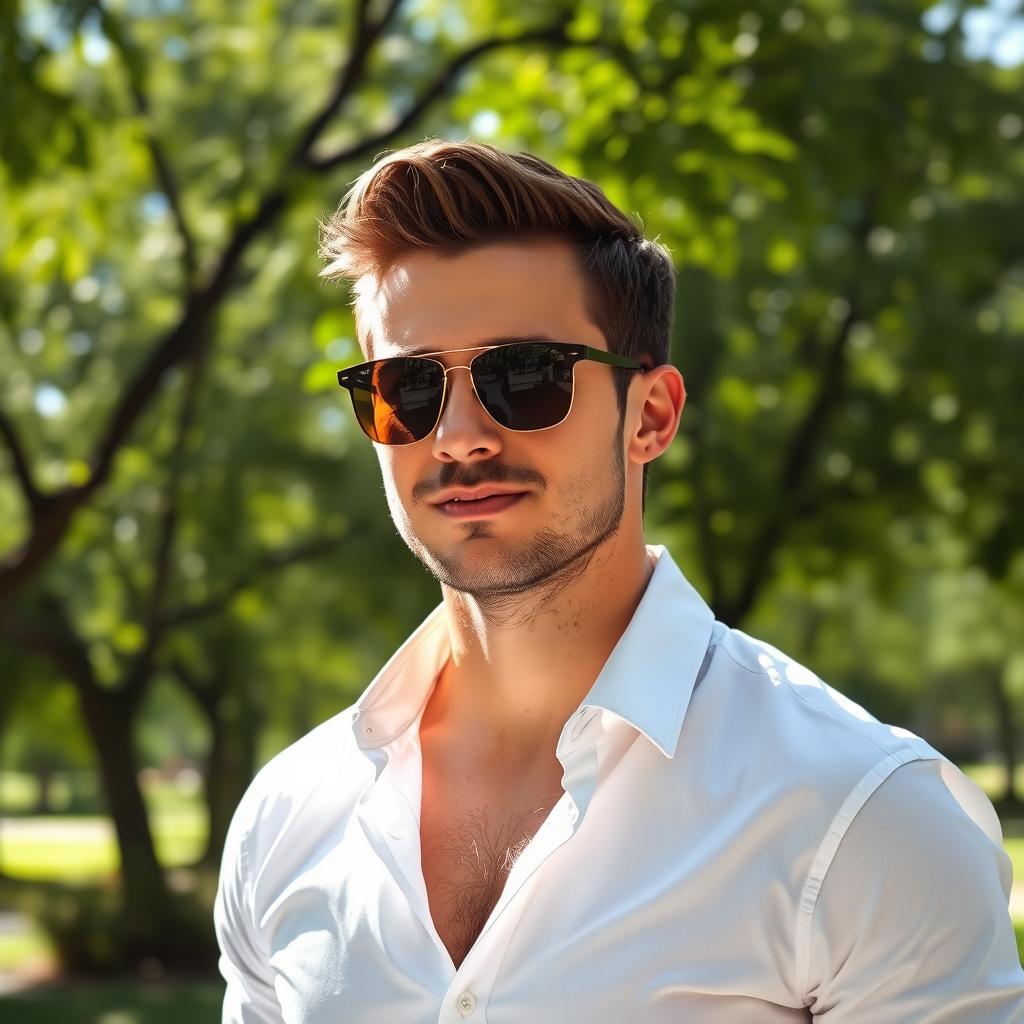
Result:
523,386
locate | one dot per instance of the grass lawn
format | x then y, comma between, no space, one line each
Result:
79,849
1014,846
23,950
124,1003
82,848
990,777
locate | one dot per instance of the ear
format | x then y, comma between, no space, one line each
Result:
656,402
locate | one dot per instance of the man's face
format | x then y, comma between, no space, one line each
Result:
571,477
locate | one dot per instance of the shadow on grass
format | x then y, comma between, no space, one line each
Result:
124,1002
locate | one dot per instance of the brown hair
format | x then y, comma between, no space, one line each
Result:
451,196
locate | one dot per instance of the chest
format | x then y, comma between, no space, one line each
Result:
470,838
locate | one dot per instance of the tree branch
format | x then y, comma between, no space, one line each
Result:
703,356
271,563
56,640
364,34
33,497
205,696
808,434
555,34
49,529
795,468
142,666
178,342
133,66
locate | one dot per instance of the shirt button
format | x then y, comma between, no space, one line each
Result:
466,1003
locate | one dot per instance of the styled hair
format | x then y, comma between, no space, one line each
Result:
453,196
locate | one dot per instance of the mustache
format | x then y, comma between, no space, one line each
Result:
457,474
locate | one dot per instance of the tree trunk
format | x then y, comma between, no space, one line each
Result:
110,719
235,723
1006,728
44,799
226,777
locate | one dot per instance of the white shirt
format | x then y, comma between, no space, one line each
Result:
737,843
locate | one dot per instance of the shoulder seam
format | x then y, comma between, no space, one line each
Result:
825,854
746,668
814,707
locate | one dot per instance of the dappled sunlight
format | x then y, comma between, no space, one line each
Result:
779,667
768,664
79,848
192,524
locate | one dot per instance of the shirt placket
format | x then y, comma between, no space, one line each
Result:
388,811
469,992
392,825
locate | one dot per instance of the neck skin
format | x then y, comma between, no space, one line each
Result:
521,666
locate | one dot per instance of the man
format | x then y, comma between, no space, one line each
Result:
572,794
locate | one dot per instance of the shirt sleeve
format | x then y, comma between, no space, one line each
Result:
249,997
911,924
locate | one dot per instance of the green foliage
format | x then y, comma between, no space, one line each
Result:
93,933
841,190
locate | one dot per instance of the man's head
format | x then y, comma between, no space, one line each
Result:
451,246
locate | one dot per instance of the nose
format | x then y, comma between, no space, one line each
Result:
465,432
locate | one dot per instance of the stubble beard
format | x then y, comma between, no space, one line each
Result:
544,563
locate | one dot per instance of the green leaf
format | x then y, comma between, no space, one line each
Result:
321,376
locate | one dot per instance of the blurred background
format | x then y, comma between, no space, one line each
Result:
196,561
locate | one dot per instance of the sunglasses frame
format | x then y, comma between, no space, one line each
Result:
349,378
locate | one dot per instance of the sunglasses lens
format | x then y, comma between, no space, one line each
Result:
399,401
524,387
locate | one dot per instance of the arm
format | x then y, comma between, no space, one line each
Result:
250,996
910,924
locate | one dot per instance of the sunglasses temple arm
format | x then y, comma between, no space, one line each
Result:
598,355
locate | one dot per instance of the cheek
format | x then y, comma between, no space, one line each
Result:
399,477
593,422
594,397
389,474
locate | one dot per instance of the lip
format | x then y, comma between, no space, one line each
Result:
474,493
480,508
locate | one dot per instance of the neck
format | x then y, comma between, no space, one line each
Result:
521,664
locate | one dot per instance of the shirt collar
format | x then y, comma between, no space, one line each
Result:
647,680
649,677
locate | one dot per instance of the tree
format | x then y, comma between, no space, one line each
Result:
207,270
186,499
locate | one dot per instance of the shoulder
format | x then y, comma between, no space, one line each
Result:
907,906
283,812
783,709
815,750
314,780
881,834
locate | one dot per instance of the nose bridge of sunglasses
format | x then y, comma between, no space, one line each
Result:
458,366
452,391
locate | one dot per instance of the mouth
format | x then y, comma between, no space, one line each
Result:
479,508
